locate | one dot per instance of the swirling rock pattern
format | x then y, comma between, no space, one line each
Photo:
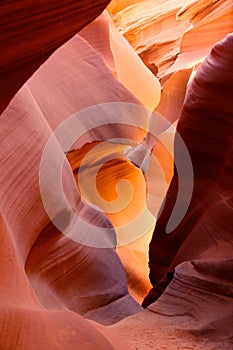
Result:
31,32
38,308
25,323
189,29
37,119
47,279
122,60
141,22
204,238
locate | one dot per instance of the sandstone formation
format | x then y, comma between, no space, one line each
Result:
122,60
167,32
152,29
127,228
172,37
62,281
38,263
203,240
211,21
32,104
30,33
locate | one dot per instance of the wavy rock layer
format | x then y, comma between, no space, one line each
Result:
211,21
172,38
26,323
122,60
204,237
108,176
43,273
194,312
175,32
152,29
30,33
47,279
52,261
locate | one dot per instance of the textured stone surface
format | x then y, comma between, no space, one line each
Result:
195,310
41,270
211,21
47,279
152,29
122,60
31,32
37,242
204,237
175,32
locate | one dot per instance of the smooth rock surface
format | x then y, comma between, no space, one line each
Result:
203,240
172,35
47,278
31,32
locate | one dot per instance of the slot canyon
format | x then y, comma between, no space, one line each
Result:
116,175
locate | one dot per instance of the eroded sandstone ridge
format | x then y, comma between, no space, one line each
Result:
38,264
168,32
200,249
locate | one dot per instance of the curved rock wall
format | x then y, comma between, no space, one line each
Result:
203,239
38,265
48,279
31,32
172,35
195,310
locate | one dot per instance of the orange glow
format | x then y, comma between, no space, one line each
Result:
107,180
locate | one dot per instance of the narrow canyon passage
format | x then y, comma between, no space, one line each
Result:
116,175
